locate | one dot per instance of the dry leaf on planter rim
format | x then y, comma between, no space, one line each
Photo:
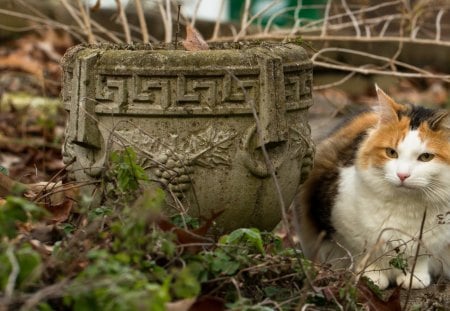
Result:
194,40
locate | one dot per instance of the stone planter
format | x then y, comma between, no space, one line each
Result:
189,116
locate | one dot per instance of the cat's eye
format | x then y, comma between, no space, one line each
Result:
425,157
391,153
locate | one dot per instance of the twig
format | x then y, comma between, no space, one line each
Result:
416,255
276,15
15,269
246,24
73,13
326,19
178,26
386,26
54,290
194,15
352,17
334,84
297,20
360,11
244,18
169,21
142,22
162,11
382,72
124,22
217,24
87,21
438,24
373,56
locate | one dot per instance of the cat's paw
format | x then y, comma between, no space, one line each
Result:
379,278
420,280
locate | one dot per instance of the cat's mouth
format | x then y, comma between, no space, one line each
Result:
406,186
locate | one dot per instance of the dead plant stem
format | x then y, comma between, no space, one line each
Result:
85,15
416,255
142,22
124,22
15,270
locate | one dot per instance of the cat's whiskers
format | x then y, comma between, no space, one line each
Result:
437,195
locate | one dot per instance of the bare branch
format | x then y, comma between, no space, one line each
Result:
169,21
194,16
257,15
124,21
142,22
326,19
438,24
15,269
352,17
217,25
87,21
245,17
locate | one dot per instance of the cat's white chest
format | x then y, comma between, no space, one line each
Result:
363,217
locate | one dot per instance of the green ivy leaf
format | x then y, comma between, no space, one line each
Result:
186,285
244,235
16,210
29,263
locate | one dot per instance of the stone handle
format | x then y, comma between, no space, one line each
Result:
272,100
82,129
253,158
271,114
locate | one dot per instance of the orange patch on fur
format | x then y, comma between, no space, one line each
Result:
436,141
373,150
329,151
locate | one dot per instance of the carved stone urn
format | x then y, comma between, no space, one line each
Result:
199,121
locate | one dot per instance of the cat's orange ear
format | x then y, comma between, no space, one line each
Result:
440,120
387,108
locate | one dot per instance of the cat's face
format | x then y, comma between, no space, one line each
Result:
408,151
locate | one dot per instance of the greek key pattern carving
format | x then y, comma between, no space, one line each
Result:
184,93
297,86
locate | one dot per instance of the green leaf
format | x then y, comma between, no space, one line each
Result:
224,264
186,285
16,210
4,170
126,170
29,264
243,235
399,262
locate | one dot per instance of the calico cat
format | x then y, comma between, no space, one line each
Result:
372,180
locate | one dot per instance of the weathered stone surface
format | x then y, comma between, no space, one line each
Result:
190,116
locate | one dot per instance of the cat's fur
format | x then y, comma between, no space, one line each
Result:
355,202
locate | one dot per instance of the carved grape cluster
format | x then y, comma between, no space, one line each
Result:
173,173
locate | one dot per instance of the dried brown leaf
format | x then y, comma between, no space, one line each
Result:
187,237
367,296
194,40
208,303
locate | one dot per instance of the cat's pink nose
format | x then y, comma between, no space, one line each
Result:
403,176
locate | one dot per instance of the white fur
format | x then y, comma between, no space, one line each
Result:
387,210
